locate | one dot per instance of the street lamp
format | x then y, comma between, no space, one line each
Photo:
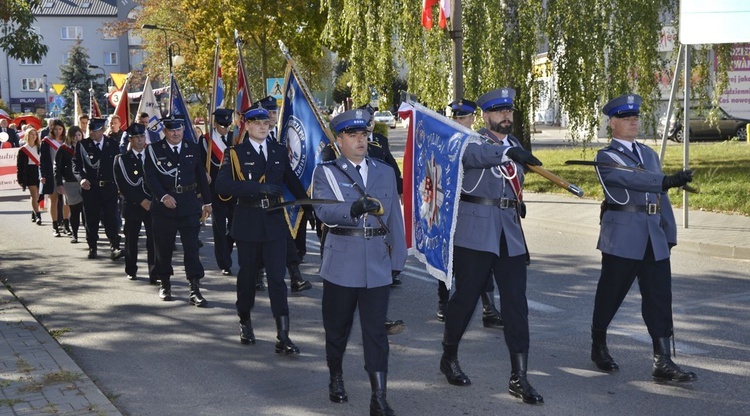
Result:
44,88
106,85
177,59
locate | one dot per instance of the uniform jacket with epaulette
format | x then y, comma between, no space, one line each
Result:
166,173
626,234
356,261
94,164
478,226
129,177
253,223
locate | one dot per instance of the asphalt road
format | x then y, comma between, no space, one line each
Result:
168,358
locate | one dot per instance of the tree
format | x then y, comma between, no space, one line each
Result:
17,38
76,76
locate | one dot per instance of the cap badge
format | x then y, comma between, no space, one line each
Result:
358,114
631,99
504,93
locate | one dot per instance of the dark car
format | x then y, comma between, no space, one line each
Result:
725,127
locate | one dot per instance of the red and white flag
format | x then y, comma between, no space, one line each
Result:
444,14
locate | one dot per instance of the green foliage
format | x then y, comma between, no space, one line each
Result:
4,106
76,76
17,38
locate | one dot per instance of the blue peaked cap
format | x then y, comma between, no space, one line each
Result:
352,120
173,122
498,99
462,107
97,124
269,103
623,106
255,112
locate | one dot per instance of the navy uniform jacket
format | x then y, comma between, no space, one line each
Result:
253,223
166,172
213,169
478,227
354,261
625,234
94,164
129,177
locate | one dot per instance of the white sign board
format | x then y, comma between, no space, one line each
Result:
715,21
736,98
8,169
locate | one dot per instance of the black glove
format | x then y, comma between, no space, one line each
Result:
366,204
270,189
521,209
678,179
523,156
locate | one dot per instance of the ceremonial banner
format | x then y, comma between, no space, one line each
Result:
8,177
94,110
304,136
432,186
244,99
77,111
179,108
217,93
123,107
150,106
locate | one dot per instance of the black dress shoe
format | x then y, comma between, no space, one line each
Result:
132,277
492,319
286,347
165,294
116,254
226,272
600,356
441,311
336,390
92,254
301,285
667,370
396,281
153,281
394,327
247,336
452,371
519,386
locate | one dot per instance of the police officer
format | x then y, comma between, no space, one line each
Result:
462,111
94,161
137,201
223,206
489,239
637,232
179,187
269,103
364,246
254,172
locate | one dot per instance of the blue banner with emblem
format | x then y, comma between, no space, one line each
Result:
432,186
179,108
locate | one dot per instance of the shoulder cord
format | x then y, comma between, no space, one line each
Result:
87,159
172,172
619,161
237,172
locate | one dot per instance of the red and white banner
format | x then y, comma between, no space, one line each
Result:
8,177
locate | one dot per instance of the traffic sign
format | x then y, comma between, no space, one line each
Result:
114,97
60,101
275,87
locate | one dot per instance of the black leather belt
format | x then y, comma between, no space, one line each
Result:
258,203
103,183
649,209
365,232
502,202
180,189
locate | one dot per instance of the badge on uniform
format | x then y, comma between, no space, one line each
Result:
169,164
135,172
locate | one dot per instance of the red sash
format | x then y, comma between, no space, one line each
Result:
32,157
52,143
68,149
509,171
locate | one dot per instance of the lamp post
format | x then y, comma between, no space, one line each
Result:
106,85
46,91
177,59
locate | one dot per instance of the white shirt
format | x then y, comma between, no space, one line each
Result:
257,145
363,169
629,145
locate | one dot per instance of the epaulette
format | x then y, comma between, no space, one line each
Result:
328,162
377,160
374,143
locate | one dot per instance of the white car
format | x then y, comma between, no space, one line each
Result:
385,117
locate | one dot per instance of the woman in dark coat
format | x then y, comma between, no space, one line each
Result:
28,171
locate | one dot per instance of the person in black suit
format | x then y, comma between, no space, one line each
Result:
223,206
254,172
137,204
93,160
181,196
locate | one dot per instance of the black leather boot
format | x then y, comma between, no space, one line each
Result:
298,283
247,336
490,315
378,404
196,298
664,368
600,353
165,291
284,345
336,390
66,227
449,366
56,229
441,311
518,385
394,327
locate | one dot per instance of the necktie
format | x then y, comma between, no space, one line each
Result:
272,134
140,158
224,139
359,171
635,151
260,150
174,149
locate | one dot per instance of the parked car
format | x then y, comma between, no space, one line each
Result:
726,126
385,117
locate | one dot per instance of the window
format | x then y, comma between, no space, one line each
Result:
31,84
71,32
27,61
110,58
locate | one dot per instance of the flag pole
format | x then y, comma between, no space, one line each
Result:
238,41
211,106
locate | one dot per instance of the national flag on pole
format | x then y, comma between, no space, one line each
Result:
123,107
94,110
444,13
243,100
217,95
179,108
433,174
304,134
150,106
77,111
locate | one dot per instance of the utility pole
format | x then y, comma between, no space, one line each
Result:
457,36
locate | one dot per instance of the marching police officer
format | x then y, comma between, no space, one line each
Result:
223,206
269,103
364,246
254,172
489,240
462,111
181,197
637,232
94,160
137,201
